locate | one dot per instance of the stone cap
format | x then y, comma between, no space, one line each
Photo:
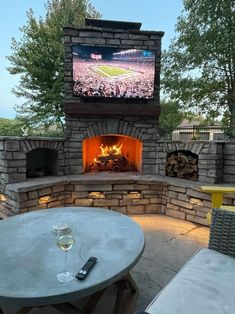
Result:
101,178
113,24
74,31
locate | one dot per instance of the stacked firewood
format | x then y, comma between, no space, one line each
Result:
182,165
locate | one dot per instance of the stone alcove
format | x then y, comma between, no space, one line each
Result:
41,162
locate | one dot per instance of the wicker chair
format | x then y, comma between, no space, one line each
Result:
222,231
222,240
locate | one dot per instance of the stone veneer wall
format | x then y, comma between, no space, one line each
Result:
139,125
210,158
144,195
128,196
13,152
229,163
80,128
210,153
154,194
216,159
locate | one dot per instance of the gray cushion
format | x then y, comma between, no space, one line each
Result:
205,285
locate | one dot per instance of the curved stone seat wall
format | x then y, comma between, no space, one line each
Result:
142,194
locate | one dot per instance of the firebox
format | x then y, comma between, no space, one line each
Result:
115,153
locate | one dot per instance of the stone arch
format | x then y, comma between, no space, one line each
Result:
188,146
113,126
31,144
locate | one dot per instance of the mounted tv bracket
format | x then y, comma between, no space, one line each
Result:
112,68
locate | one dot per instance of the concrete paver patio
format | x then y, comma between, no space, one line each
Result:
169,244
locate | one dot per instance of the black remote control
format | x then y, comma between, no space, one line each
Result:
86,268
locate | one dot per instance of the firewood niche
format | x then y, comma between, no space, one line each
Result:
182,164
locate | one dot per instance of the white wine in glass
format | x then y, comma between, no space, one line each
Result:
65,241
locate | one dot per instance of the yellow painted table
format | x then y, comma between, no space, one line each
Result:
217,194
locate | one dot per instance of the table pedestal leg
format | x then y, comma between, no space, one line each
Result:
94,299
69,308
127,295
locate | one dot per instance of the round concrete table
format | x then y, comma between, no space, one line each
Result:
30,259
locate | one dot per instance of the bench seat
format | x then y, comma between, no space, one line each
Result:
205,285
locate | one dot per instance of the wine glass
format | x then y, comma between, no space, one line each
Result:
65,241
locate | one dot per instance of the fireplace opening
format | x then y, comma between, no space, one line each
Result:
41,162
182,164
115,153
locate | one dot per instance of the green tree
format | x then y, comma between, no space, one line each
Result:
39,59
11,127
170,117
199,67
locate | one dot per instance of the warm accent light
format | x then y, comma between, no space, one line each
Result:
134,194
44,200
195,201
2,198
96,195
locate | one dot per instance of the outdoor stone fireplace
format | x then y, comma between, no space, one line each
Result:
136,135
111,155
130,124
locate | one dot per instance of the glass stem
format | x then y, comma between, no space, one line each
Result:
65,261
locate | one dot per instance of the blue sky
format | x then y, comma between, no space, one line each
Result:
158,15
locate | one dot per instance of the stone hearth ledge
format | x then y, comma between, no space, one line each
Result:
96,178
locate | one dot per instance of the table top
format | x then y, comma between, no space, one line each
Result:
30,259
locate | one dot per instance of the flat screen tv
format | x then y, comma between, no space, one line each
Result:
113,73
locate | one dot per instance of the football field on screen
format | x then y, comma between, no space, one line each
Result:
112,71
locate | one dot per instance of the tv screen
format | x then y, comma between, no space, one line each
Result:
113,72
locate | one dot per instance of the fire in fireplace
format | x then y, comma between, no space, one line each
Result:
112,153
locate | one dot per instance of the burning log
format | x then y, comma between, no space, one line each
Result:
182,165
117,163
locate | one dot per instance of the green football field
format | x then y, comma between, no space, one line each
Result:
111,71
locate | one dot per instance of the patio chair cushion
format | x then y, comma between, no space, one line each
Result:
204,285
